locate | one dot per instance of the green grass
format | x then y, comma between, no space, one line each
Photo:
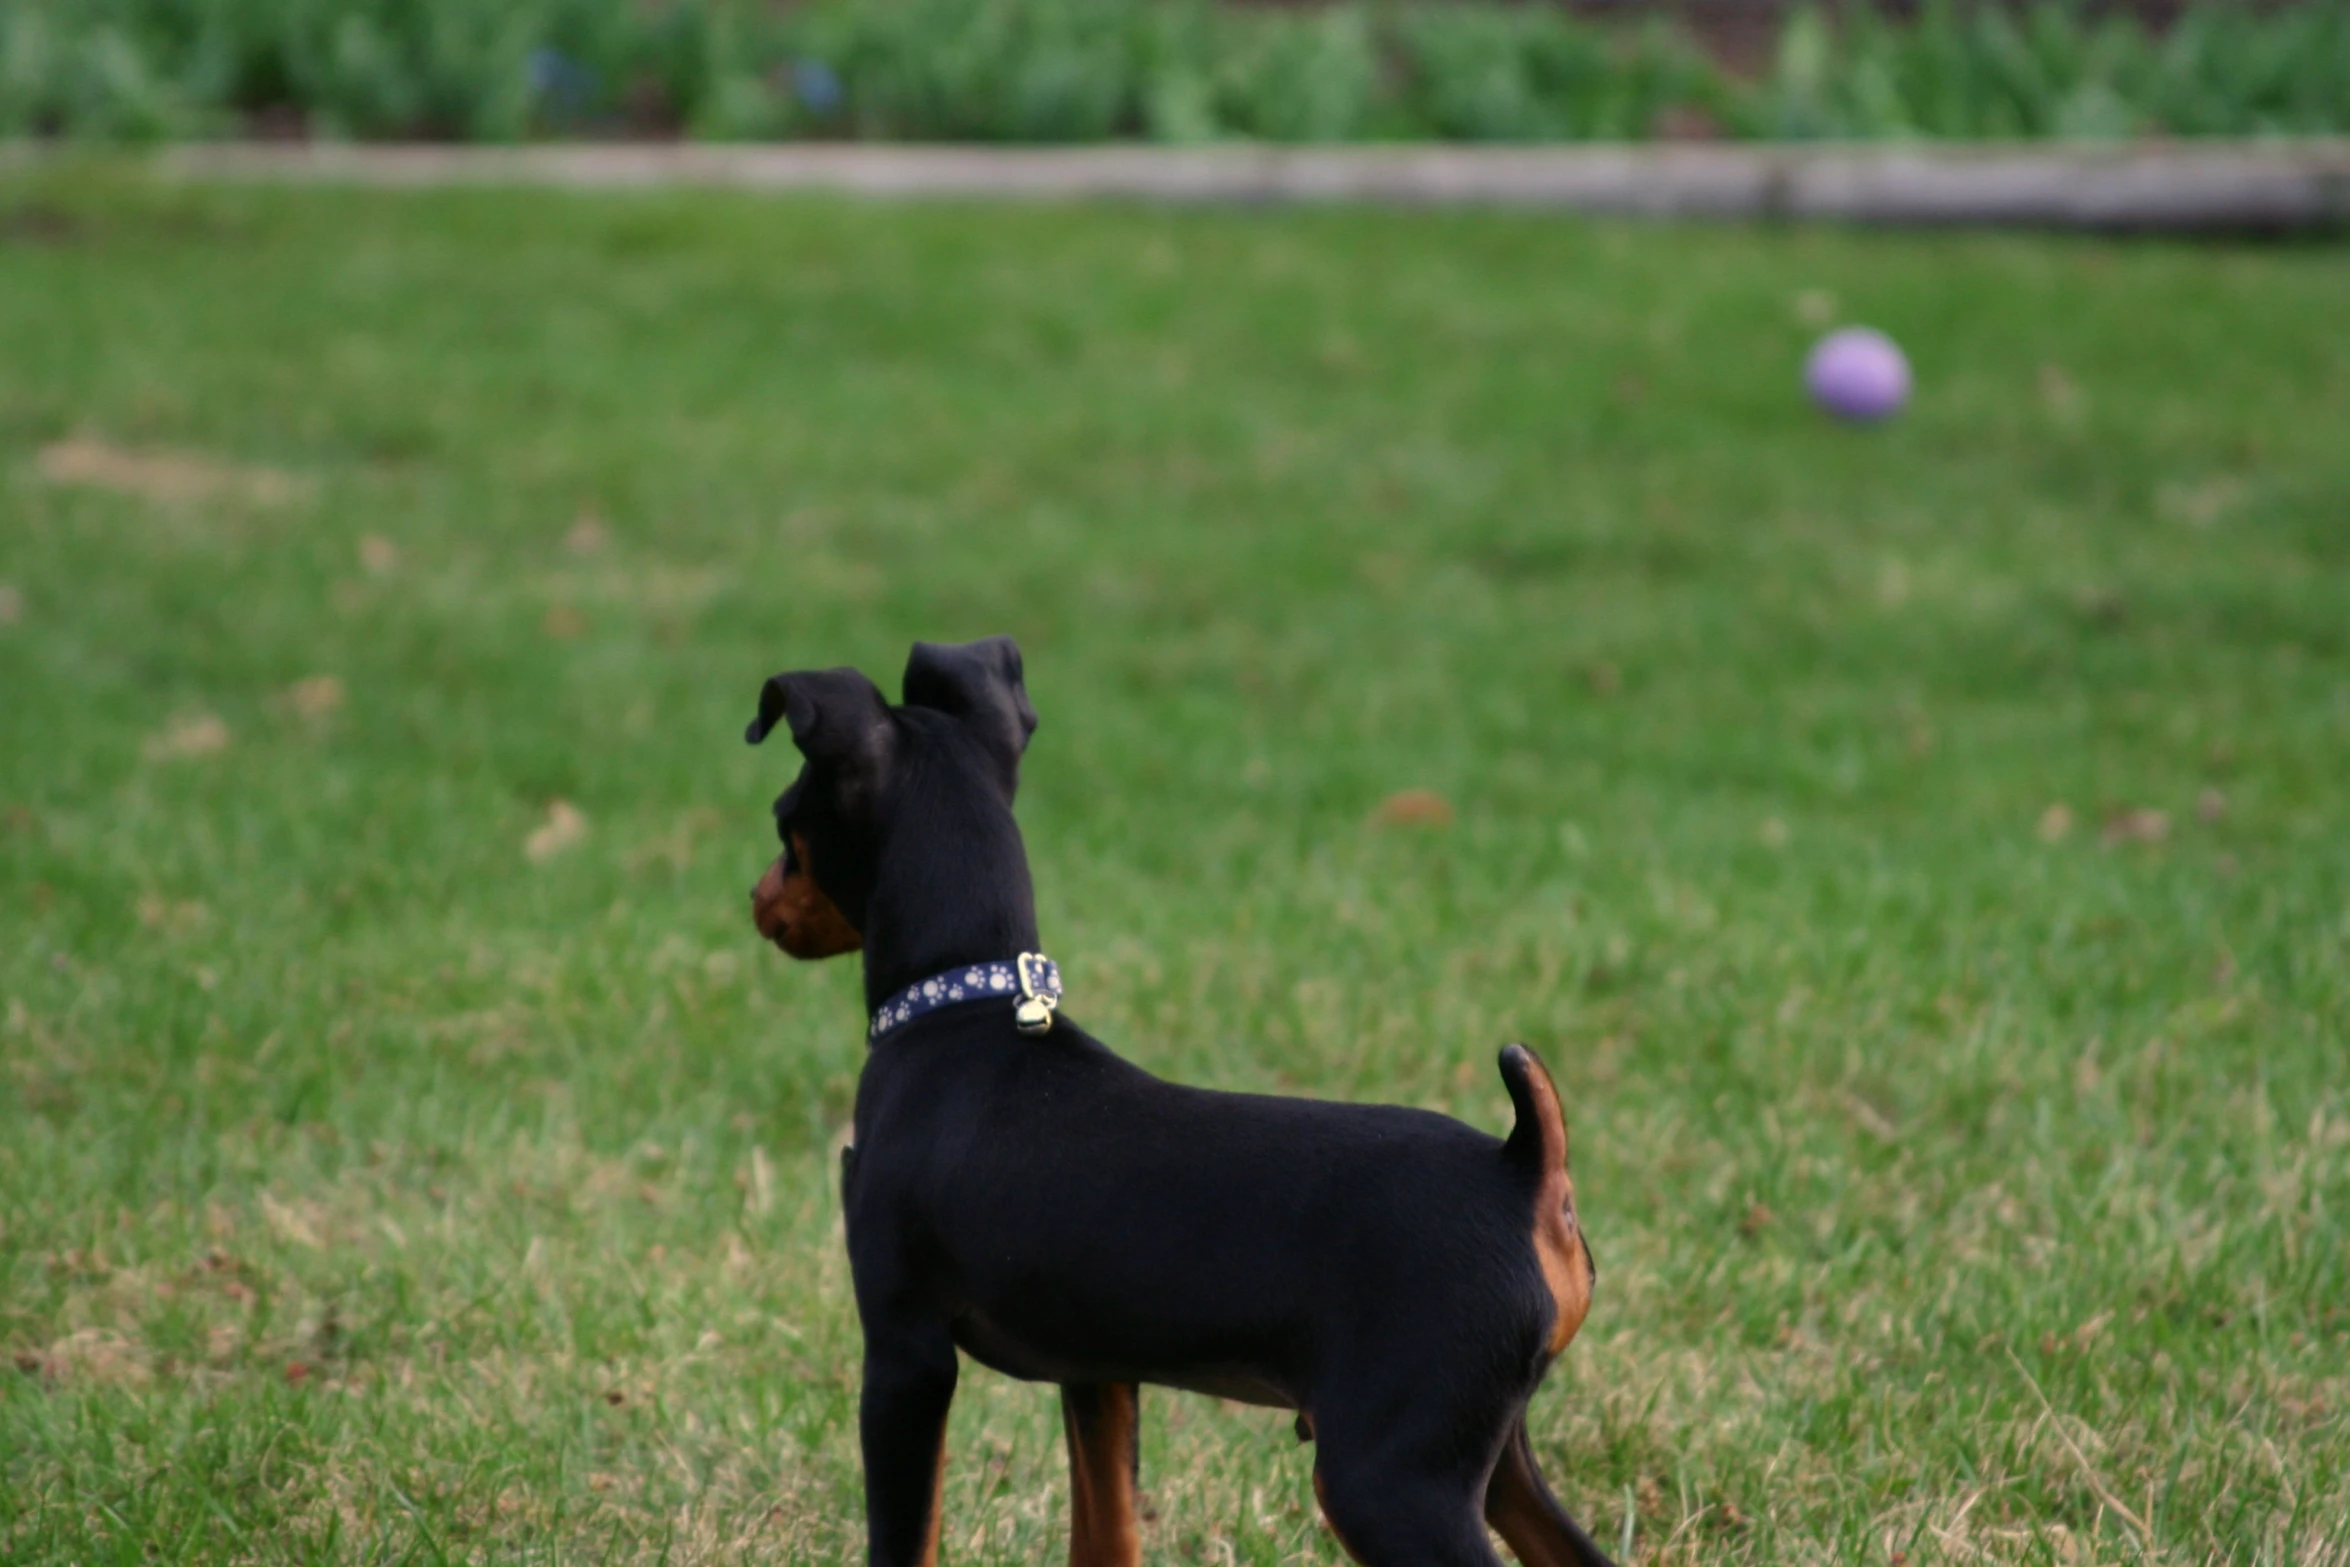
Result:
370,1190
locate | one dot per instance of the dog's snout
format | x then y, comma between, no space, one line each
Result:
790,910
768,903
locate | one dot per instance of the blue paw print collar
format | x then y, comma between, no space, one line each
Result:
1032,981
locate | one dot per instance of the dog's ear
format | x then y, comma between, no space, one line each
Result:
839,720
979,683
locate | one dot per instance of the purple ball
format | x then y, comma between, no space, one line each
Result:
1858,373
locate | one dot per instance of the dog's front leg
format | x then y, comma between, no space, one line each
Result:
909,1382
1105,1438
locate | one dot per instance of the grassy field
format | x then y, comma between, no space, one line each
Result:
1920,854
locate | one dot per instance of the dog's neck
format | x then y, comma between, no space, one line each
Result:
952,889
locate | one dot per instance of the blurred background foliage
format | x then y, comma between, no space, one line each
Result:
1178,71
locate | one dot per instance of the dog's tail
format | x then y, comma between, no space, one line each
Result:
1538,1143
1537,1150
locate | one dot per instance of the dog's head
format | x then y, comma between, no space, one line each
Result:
963,724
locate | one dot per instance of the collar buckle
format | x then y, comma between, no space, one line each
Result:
1040,992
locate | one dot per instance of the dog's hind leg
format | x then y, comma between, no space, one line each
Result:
909,1382
1401,1498
1522,1511
1105,1440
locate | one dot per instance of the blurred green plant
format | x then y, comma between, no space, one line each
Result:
1524,74
1163,70
976,70
2052,70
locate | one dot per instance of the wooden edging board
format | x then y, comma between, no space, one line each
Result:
2275,185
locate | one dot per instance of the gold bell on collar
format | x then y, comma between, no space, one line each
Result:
1034,1014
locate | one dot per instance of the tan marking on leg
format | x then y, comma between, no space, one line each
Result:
1522,1512
793,912
1103,1423
1558,1238
938,1503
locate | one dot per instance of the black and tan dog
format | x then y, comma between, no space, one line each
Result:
1017,1192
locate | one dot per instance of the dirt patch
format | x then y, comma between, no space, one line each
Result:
36,224
2135,824
565,827
315,698
164,477
1415,808
189,735
91,1355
